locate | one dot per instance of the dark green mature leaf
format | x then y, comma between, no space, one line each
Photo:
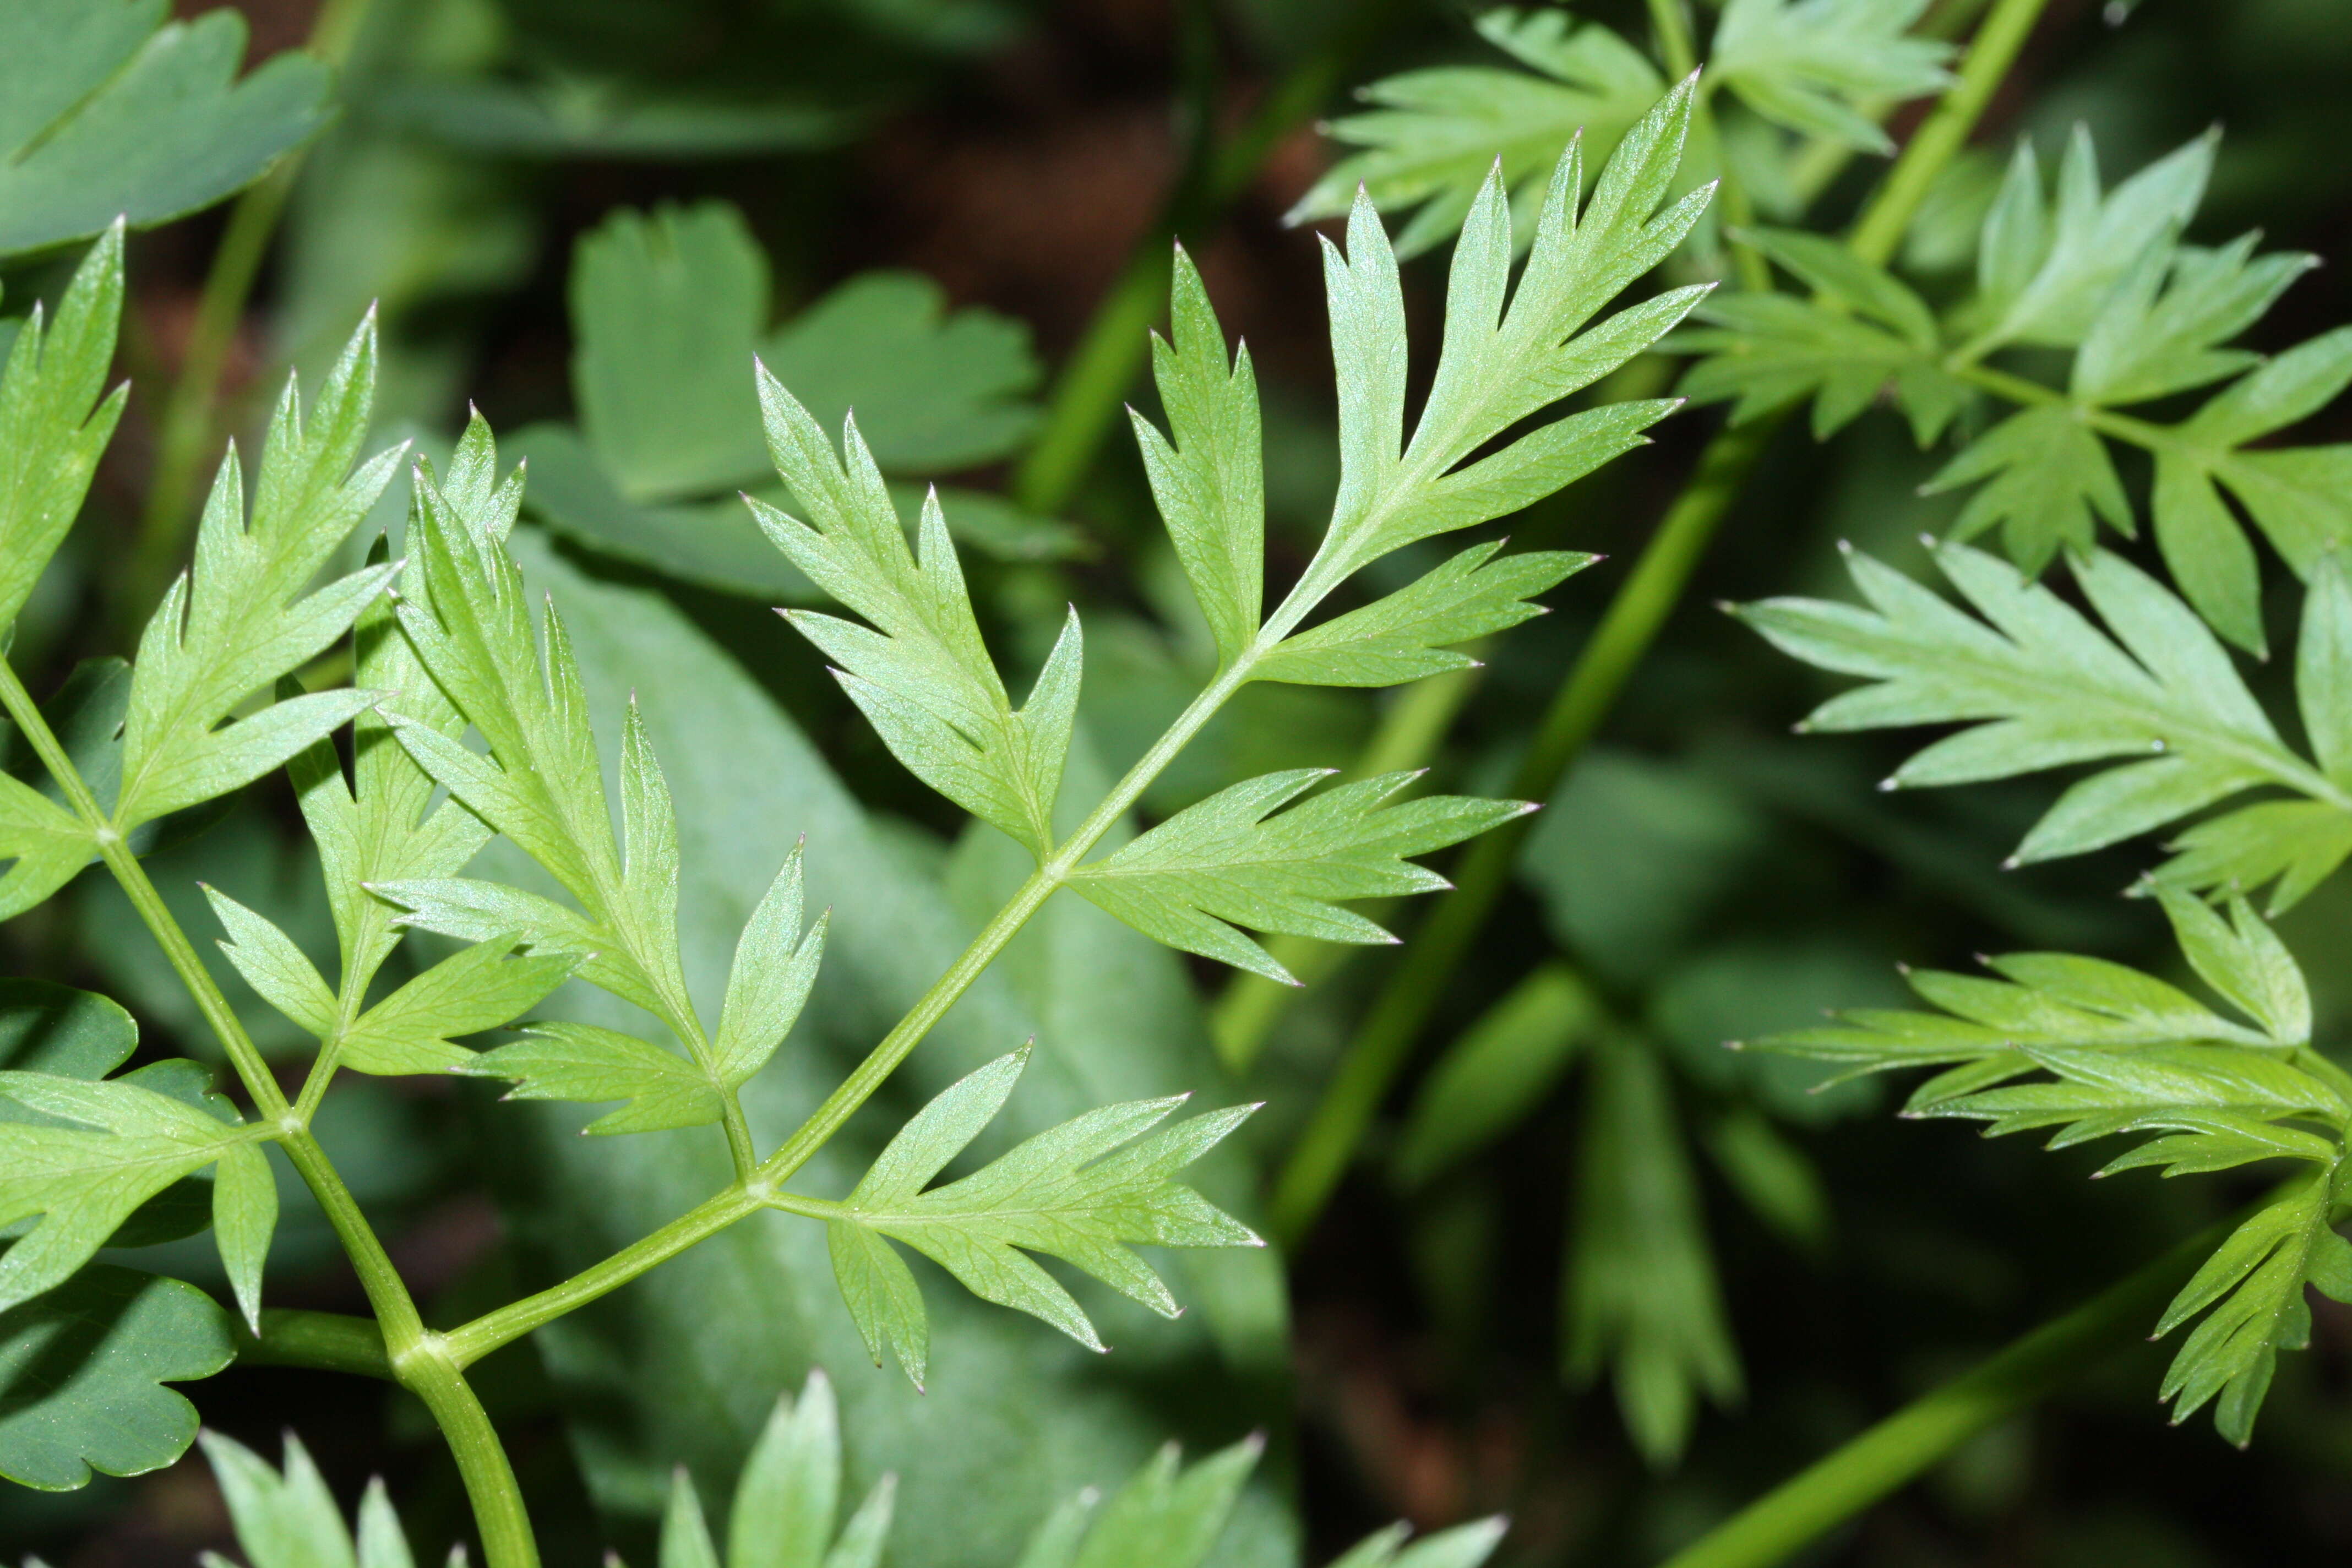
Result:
1497,1072
921,674
1407,634
1438,134
1808,64
685,1364
108,109
1085,1191
670,308
50,1028
82,1371
2043,687
1640,1296
242,618
1230,861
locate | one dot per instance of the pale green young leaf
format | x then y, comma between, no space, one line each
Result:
2043,686
113,110
1497,1072
2146,344
1436,134
1409,634
1169,1514
52,426
382,1542
478,911
2243,960
2323,668
283,1520
2254,1286
414,1030
2047,483
2206,551
1809,64
1208,481
542,784
1499,363
277,971
2045,271
775,964
790,1492
1085,1191
1229,861
1640,1296
244,1217
85,1366
920,672
581,1062
1463,1546
241,618
685,1534
2204,1091
44,843
1054,1543
97,1151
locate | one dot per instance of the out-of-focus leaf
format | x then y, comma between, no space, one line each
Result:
1810,65
1497,1072
578,117
107,109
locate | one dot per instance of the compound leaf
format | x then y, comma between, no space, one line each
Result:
582,1062
1409,634
1809,64
1082,1192
1229,859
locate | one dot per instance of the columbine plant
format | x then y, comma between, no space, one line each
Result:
449,642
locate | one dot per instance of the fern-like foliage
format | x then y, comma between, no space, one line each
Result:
2089,1049
2155,695
787,1507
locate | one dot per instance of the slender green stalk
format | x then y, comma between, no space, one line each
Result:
186,435
1832,1489
1086,397
1372,1060
416,1355
1410,732
324,1341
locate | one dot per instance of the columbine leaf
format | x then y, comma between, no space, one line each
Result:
2043,687
111,111
1807,64
1082,1192
1229,860
1640,1296
670,309
919,673
1500,365
1408,634
1210,480
81,1376
241,618
52,425
582,1062
90,1154
1438,134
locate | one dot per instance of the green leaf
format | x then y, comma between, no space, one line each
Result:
585,1062
382,1542
920,673
244,1217
1438,134
91,1153
1811,64
112,111
53,426
82,1371
482,987
276,970
1499,364
685,1534
2146,344
775,964
2243,960
2051,484
2043,686
790,1493
1406,635
241,618
670,309
284,1520
1497,1072
1640,1296
1463,1546
2046,272
1082,1192
2254,1285
1228,859
1210,480
55,1029
1169,1515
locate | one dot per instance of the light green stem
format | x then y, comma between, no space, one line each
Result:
184,437
325,1341
1900,1448
416,1355
1383,1043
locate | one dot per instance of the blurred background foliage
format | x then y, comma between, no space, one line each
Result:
1591,1269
